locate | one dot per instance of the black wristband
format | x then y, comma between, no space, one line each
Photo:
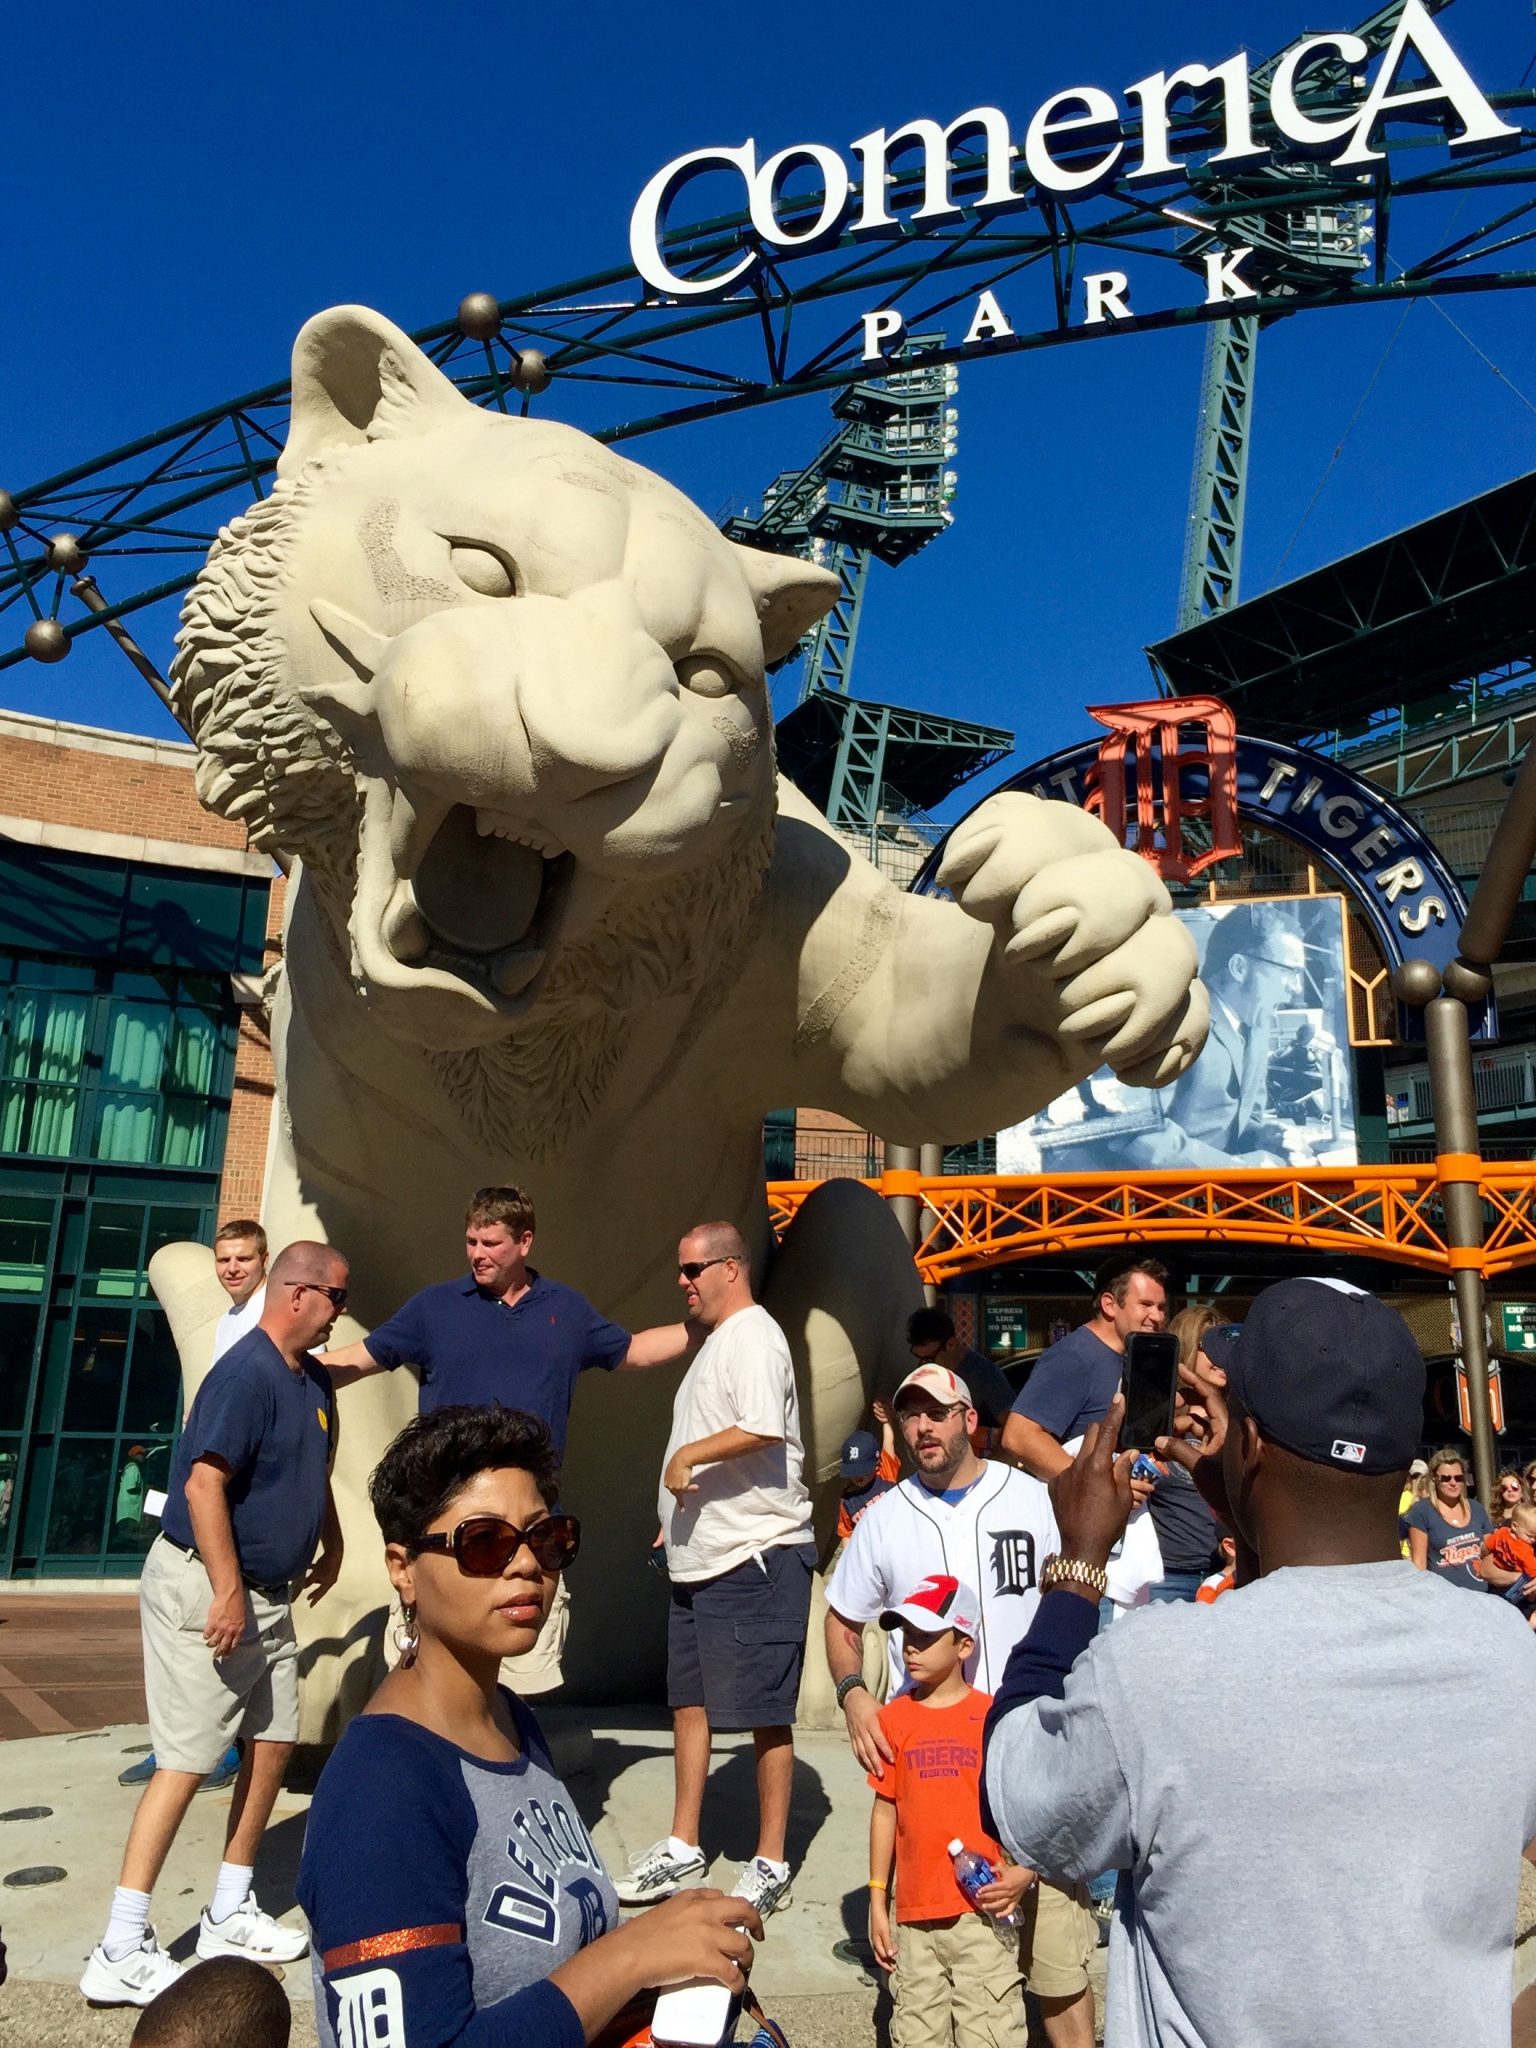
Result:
852,1683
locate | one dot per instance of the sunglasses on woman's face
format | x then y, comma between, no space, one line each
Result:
485,1545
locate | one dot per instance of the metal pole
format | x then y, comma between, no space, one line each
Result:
1459,1169
931,1159
88,591
903,1165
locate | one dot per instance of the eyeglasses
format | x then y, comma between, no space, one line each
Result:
336,1296
485,1545
1289,966
692,1268
1452,1478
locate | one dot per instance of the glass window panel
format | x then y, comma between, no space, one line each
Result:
10,1466
112,1250
97,1358
173,1226
154,1376
82,1494
18,1338
140,1466
42,1051
125,1128
25,1224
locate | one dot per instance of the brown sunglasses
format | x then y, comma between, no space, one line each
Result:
485,1545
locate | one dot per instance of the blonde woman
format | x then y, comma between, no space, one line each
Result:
1188,1534
1446,1528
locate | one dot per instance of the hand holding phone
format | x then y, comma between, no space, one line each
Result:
1151,1373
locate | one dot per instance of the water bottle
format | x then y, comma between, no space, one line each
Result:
972,1874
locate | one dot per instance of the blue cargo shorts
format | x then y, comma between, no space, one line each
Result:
736,1644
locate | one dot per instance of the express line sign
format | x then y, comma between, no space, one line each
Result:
1075,142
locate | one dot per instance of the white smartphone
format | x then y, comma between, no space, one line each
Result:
693,2016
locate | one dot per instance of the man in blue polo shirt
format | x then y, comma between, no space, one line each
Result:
248,1507
507,1334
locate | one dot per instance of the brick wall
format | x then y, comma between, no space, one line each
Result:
100,783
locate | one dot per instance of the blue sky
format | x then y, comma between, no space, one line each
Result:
185,185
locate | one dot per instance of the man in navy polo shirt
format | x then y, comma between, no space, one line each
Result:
507,1335
248,1507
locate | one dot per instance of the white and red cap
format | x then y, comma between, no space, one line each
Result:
940,1602
937,1381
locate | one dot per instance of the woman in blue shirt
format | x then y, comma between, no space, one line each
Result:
453,1892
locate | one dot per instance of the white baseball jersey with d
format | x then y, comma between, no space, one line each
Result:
996,1537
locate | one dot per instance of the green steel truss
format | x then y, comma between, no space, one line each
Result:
626,363
1291,248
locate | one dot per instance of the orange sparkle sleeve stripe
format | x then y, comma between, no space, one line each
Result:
399,1943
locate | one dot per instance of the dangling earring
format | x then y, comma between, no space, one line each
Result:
406,1638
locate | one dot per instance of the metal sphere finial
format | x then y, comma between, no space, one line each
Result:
65,554
479,316
1416,982
46,640
532,371
1468,984
9,514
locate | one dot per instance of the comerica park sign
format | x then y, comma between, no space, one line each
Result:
1077,141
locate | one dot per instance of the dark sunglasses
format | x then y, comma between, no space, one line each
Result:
336,1296
694,1267
485,1545
1452,1478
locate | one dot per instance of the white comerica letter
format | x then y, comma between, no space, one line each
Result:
1099,112
1448,80
880,328
874,151
1154,94
834,193
645,222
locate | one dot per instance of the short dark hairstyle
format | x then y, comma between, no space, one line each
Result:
512,1208
436,1456
1242,930
1114,1276
217,2005
929,1326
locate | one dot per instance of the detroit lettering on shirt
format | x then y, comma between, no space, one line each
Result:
995,1535
442,1891
273,1428
471,1347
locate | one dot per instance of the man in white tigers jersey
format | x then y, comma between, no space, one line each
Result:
991,1526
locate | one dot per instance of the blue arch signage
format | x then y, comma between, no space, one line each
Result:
1388,865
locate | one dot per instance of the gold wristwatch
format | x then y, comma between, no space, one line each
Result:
1072,1571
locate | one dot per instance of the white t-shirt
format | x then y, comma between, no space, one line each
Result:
236,1323
741,1379
995,1538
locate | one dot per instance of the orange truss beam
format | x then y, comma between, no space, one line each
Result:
1384,1212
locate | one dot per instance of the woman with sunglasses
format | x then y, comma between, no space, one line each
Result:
1508,1494
453,1892
1445,1528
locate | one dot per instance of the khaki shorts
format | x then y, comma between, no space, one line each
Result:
539,1670
956,1981
1057,1936
199,1703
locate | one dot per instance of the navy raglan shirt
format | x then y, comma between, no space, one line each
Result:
442,1891
273,1427
1072,1385
471,1348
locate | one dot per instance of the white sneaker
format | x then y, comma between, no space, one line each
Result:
250,1932
141,1975
657,1874
762,1886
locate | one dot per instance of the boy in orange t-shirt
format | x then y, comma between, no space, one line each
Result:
956,1974
1513,1548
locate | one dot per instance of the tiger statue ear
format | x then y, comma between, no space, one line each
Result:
790,595
358,378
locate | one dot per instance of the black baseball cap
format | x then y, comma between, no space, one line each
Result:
1326,1371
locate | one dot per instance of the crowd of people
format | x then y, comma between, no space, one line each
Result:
1097,1690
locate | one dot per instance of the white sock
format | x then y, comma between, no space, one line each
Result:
681,1848
780,1870
125,1928
232,1889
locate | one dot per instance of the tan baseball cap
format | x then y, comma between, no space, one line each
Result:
938,1381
